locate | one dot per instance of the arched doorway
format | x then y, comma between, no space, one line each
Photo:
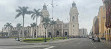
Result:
49,34
65,33
34,33
57,33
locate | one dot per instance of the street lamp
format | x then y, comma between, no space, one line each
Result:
45,34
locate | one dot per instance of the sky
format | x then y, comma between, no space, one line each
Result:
87,9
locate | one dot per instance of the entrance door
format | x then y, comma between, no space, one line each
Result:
57,33
49,34
34,33
66,34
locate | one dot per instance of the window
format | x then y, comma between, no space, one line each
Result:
73,18
73,25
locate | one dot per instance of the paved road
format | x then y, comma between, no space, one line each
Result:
77,43
81,44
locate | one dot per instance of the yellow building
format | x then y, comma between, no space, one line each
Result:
101,17
107,31
103,31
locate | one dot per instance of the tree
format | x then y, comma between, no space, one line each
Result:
46,22
18,28
22,11
35,15
33,25
9,26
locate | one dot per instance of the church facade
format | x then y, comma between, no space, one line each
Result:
60,29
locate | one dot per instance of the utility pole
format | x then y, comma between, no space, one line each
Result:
52,4
52,8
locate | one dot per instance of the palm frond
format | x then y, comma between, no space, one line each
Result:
18,15
29,12
18,10
33,16
8,25
33,24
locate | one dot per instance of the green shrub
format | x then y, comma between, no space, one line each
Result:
38,39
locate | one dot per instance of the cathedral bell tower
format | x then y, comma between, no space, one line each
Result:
73,24
45,12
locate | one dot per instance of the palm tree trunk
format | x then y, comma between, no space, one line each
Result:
18,35
53,31
8,32
33,31
23,28
36,27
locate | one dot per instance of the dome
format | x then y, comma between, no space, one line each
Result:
73,4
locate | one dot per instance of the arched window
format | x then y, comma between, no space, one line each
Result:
73,18
73,25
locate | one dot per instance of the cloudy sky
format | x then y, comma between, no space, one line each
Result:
87,9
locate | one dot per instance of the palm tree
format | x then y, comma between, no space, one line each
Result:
35,15
46,22
9,26
22,11
18,28
32,26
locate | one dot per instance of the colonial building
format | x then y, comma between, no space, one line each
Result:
14,32
107,20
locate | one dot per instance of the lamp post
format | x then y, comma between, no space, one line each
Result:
45,34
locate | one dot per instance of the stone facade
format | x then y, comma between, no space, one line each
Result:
73,24
61,29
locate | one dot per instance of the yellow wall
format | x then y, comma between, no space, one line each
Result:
101,15
103,31
107,34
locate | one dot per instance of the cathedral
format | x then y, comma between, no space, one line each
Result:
60,29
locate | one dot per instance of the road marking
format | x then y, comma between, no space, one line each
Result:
28,46
50,47
92,44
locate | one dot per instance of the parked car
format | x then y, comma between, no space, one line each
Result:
90,37
96,39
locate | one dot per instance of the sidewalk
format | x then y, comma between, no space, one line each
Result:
108,43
